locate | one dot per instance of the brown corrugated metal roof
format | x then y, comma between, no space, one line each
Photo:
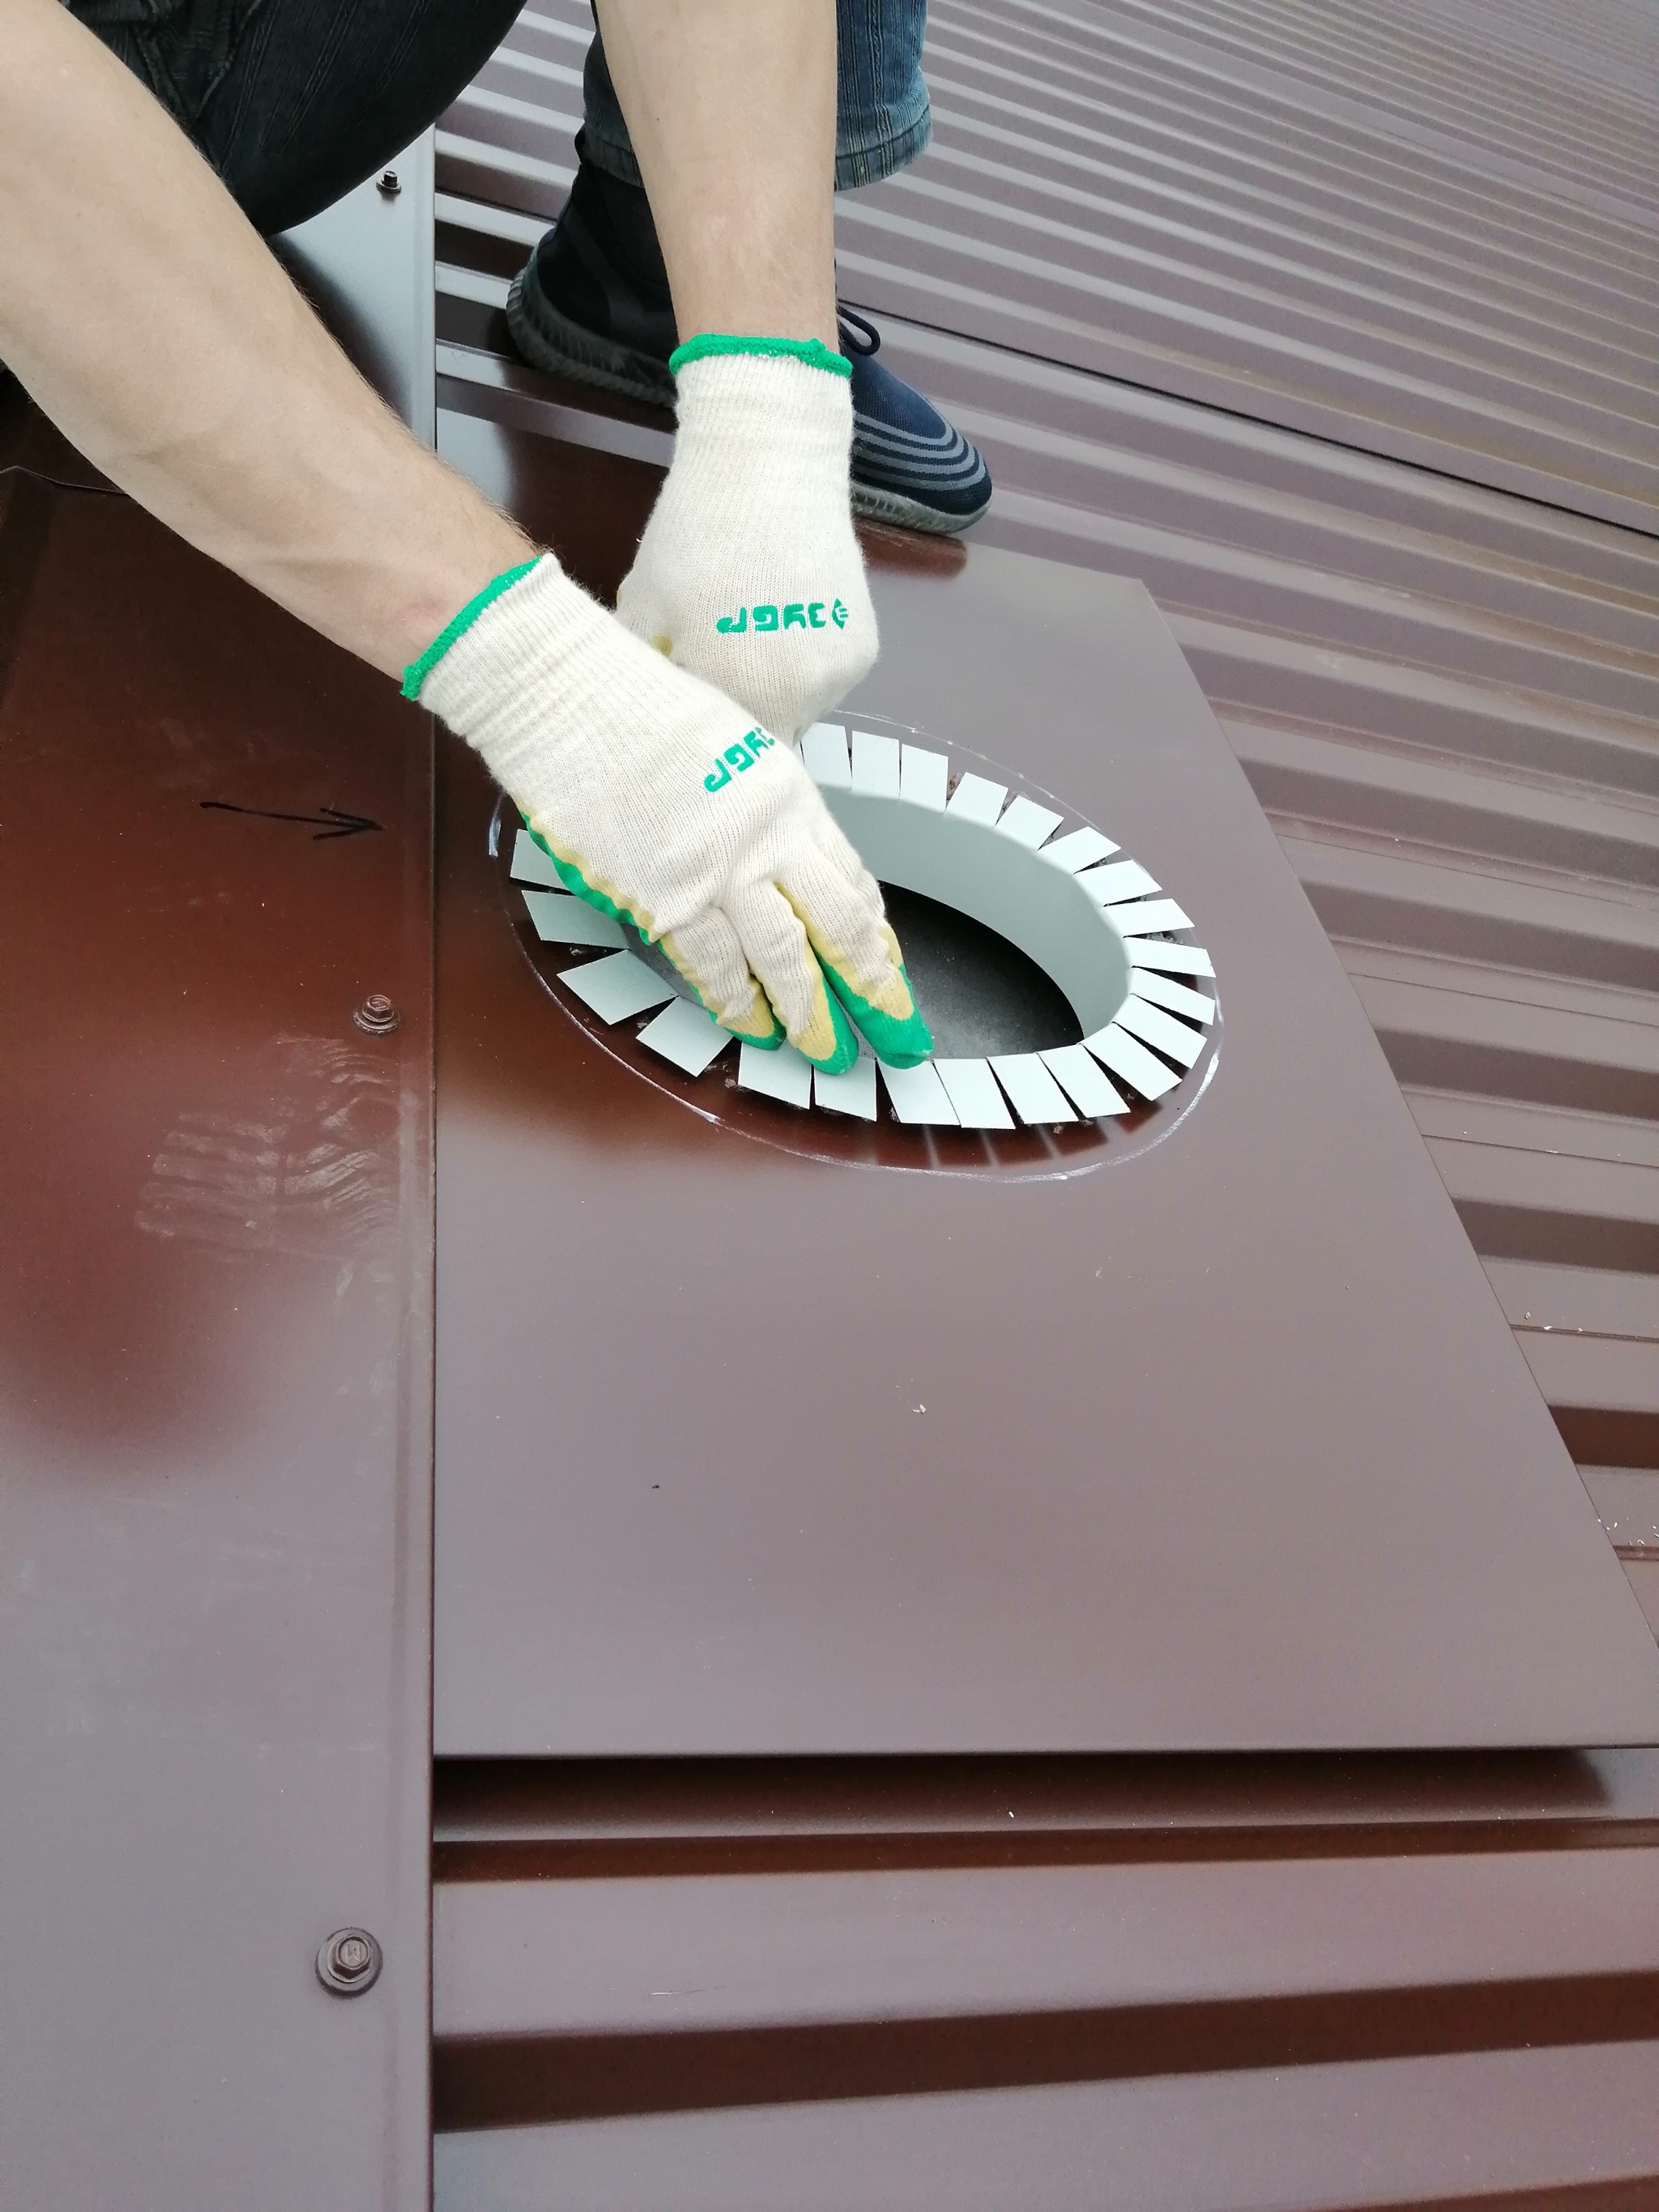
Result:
1421,234
1337,330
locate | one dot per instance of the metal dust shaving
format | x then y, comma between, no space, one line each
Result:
1091,918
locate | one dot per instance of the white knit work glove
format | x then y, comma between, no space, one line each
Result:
749,573
662,803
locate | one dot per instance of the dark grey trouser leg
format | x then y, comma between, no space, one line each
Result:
295,101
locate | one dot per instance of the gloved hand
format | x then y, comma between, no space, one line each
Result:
662,803
749,573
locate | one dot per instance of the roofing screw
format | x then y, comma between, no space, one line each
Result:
389,183
350,1962
377,1015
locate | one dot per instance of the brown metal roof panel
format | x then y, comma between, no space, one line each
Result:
214,1487
1478,2129
509,1654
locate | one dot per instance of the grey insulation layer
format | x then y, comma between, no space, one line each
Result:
1431,232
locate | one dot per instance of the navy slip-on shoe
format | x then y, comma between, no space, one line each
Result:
592,303
909,464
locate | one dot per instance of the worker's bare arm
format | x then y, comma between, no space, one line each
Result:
731,105
150,321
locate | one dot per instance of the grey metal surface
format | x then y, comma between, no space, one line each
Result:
1431,232
366,263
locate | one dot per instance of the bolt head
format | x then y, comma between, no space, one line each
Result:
389,183
377,1016
349,1961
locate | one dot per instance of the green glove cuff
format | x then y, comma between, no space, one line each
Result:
812,351
418,671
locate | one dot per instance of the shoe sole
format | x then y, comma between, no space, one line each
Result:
892,507
552,342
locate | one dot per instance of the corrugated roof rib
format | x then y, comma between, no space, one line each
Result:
1338,330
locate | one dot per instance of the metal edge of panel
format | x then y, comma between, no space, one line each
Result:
217,1479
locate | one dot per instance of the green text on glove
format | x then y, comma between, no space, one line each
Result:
799,614
738,756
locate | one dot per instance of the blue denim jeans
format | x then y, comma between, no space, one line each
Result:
883,119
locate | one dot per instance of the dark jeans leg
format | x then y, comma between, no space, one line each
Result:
295,101
882,117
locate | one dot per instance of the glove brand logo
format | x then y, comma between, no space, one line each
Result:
738,756
799,614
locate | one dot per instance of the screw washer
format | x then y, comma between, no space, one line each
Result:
349,1962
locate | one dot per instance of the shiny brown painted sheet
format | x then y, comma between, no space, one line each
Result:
1223,1446
215,1382
1442,695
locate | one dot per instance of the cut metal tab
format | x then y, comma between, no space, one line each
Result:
1127,1056
854,1093
1080,1076
1077,850
972,1089
976,799
823,748
917,1095
687,1036
1155,1027
1028,824
618,985
875,764
531,865
1150,917
1177,997
1037,1098
924,777
561,918
785,1074
1120,879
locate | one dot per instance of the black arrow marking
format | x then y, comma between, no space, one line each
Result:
335,823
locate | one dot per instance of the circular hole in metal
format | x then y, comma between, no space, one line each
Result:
981,995
1009,954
